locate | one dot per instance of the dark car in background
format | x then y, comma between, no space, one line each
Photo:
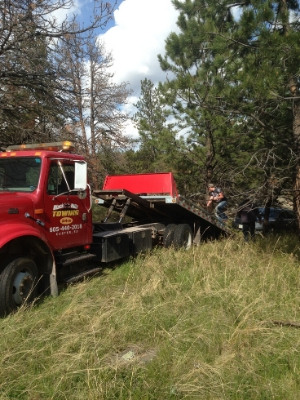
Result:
280,220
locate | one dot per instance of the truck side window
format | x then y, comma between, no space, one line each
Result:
57,183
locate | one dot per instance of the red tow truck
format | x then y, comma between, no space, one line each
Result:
47,232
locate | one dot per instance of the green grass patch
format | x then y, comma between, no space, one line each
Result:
197,324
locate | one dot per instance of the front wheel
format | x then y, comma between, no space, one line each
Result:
18,283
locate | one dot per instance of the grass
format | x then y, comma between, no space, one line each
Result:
197,324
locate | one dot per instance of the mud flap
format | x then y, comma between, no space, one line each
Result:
53,281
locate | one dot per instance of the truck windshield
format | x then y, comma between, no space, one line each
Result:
19,174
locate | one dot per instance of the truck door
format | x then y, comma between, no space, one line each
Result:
68,216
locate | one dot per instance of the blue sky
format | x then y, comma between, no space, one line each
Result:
84,8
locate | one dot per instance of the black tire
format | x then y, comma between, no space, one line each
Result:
169,235
18,283
183,236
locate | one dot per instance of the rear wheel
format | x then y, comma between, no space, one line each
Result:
18,283
169,235
183,236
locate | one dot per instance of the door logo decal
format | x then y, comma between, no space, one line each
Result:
66,220
65,205
65,213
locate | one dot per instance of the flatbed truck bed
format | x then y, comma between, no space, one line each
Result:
154,199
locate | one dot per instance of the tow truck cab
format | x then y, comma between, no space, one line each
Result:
45,214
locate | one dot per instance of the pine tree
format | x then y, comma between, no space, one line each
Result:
157,142
160,146
267,54
195,93
236,74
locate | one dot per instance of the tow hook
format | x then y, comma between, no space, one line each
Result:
38,221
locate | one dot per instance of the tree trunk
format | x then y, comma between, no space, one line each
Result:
296,132
210,154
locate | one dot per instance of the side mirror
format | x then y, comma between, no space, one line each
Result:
80,175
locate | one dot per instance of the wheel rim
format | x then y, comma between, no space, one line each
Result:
22,287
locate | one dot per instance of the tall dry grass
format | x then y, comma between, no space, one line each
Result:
208,323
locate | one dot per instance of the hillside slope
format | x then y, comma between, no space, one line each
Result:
216,322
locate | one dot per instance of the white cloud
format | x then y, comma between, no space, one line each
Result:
138,36
141,28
